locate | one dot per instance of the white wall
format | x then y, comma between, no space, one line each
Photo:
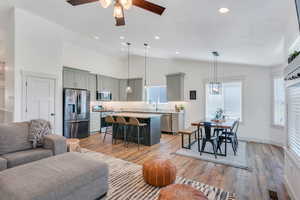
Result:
40,47
257,93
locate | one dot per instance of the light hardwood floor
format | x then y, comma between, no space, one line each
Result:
266,162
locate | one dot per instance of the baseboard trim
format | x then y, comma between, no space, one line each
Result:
289,189
247,139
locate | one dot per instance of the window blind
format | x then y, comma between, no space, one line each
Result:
293,97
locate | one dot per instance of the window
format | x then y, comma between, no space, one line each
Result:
293,98
230,101
157,94
278,102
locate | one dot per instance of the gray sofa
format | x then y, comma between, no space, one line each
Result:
69,176
15,149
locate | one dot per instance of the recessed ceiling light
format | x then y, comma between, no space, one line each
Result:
177,52
122,37
157,37
96,37
224,10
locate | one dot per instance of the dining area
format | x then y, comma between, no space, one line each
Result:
215,140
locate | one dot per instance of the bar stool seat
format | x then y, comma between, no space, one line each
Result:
135,122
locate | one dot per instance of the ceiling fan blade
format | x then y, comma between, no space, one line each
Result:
79,2
120,21
149,6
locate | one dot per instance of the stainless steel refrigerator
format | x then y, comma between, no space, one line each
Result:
76,113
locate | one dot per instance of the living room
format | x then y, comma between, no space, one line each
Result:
221,67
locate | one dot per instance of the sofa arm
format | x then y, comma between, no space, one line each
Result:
3,164
56,143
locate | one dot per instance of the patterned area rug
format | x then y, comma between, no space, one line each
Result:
240,160
126,182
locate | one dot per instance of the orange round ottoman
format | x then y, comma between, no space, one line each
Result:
180,192
159,172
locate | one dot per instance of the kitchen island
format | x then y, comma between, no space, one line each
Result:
151,133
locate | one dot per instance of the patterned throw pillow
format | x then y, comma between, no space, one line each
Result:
38,129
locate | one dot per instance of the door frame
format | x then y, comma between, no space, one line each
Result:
25,74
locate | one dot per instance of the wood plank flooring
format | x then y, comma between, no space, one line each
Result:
266,162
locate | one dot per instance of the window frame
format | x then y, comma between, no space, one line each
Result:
273,124
146,94
240,79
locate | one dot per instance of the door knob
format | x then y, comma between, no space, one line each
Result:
52,114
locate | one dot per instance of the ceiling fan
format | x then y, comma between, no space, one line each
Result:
120,5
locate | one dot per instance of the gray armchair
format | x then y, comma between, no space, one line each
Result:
15,148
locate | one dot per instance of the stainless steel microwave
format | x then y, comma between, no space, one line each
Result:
104,96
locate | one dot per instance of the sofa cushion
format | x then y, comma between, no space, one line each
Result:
55,178
3,164
23,157
14,137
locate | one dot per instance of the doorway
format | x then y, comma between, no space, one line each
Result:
39,97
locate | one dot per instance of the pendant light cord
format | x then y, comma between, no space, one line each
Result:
128,58
146,46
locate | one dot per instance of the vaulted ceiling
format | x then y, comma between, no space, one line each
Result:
253,32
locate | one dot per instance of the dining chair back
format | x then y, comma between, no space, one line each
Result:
207,130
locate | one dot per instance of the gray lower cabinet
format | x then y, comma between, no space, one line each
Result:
73,78
95,122
175,87
92,86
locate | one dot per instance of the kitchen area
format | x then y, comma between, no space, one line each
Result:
160,107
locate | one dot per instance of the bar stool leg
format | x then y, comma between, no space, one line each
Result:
138,133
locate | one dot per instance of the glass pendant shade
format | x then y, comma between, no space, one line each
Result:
105,3
118,10
126,3
128,89
215,88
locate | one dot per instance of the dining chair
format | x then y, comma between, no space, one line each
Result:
209,138
134,123
230,137
110,121
123,125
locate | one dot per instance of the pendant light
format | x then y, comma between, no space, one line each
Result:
215,86
128,88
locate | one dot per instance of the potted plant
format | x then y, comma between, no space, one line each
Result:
293,56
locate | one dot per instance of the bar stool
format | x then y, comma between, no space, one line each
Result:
109,120
134,122
121,121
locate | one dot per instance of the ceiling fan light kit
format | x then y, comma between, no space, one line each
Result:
118,11
105,3
120,5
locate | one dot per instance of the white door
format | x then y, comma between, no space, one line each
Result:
39,99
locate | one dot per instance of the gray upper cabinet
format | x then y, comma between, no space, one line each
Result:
109,84
175,87
137,90
74,78
92,86
69,77
122,90
115,89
